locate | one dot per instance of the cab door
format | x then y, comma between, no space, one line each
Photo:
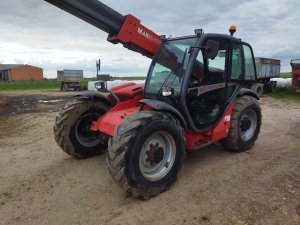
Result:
208,95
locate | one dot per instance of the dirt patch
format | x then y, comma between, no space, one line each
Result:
26,102
42,185
3,102
30,104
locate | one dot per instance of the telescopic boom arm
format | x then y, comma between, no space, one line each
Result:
127,30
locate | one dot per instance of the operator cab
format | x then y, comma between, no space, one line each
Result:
200,76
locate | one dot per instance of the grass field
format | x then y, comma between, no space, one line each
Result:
285,75
285,94
54,84
29,85
279,93
51,84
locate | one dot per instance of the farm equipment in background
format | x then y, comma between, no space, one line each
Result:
295,64
266,69
70,79
193,96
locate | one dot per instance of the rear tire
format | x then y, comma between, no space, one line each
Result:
271,86
146,153
71,129
258,88
245,124
65,87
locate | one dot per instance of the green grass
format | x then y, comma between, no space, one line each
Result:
34,85
51,84
285,94
285,75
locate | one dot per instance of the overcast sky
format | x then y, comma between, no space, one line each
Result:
37,33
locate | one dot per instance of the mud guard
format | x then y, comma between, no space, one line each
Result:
96,96
116,115
164,107
246,91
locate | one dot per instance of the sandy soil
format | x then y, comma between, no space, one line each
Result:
39,184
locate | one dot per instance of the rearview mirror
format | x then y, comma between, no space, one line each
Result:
211,49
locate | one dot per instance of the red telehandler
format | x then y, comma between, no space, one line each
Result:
193,96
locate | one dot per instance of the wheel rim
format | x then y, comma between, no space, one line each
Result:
83,133
157,155
248,124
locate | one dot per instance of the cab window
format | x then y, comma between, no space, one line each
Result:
242,64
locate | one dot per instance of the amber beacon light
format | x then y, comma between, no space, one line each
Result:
232,29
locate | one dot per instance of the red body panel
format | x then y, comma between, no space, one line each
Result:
127,91
116,88
115,116
197,140
137,37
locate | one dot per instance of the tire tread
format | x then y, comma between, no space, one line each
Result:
66,118
118,148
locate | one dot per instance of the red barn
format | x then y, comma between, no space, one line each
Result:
20,72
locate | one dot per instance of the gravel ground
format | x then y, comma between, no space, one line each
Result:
42,185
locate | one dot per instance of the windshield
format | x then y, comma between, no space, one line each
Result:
169,65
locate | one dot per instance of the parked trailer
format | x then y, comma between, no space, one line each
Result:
70,79
266,69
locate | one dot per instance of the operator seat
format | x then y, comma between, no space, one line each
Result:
206,108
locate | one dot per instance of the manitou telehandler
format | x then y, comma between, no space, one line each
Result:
193,96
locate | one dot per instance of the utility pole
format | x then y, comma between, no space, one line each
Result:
98,65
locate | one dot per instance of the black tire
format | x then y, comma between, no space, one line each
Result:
258,89
71,129
238,139
125,153
65,87
271,86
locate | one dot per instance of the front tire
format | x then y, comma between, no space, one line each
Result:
146,153
245,124
72,128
